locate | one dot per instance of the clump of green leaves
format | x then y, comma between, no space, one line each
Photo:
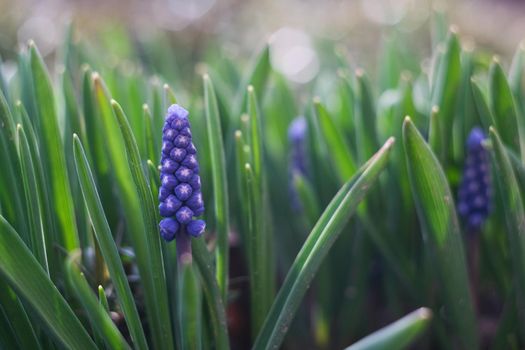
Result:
81,260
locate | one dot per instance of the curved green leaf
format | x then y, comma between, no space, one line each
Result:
107,245
149,213
504,109
398,335
514,214
99,318
53,151
316,247
220,185
339,149
30,281
437,214
212,293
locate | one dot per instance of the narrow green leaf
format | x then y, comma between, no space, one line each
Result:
149,213
107,245
151,146
169,96
445,86
256,77
146,254
340,152
255,132
154,177
98,317
397,335
256,251
48,216
481,105
365,119
212,293
316,247
516,75
437,214
308,198
30,281
102,299
13,207
435,133
7,334
514,214
220,186
34,206
53,151
191,300
17,316
504,109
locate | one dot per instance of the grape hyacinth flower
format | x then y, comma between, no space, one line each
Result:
298,160
474,197
180,194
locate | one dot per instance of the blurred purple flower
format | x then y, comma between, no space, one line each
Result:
475,190
297,132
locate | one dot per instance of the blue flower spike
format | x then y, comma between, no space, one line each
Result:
475,191
180,194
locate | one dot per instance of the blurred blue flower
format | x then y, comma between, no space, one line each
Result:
297,132
180,191
475,191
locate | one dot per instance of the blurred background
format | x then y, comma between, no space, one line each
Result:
243,26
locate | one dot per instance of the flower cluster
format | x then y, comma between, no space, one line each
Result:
298,160
474,197
180,191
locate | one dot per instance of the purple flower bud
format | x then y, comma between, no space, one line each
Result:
195,181
475,190
166,147
184,215
198,211
173,203
178,154
185,131
169,134
184,174
180,191
190,161
183,191
195,201
181,141
169,166
163,193
165,210
169,181
191,149
177,112
168,228
196,227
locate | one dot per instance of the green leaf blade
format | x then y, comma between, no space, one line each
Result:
437,213
317,245
397,335
220,186
149,212
107,244
54,151
99,318
27,277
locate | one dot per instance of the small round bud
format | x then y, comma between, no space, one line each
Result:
196,227
184,215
